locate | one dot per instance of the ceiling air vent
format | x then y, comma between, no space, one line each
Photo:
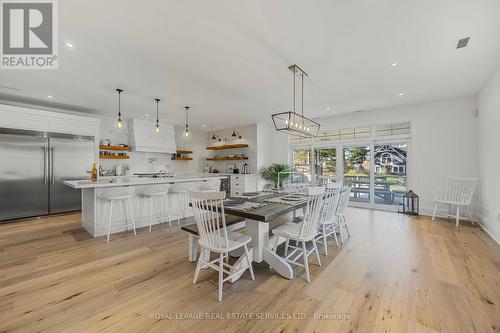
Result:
462,42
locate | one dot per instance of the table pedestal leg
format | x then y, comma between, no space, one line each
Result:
260,251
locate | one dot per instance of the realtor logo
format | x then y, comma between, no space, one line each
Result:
29,34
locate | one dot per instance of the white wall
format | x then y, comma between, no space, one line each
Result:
488,150
248,135
272,147
443,141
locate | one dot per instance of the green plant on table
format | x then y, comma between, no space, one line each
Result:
274,173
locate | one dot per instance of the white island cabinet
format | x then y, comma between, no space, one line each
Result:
93,204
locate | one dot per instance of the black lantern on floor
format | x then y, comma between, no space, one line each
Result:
410,203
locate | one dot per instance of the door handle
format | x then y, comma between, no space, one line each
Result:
44,166
53,179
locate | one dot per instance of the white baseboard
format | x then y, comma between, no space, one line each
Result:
477,219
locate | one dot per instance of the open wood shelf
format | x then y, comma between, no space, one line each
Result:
114,157
112,147
182,151
231,146
182,158
236,158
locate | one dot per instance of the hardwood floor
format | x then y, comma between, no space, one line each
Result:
395,274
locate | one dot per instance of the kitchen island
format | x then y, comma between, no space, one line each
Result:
93,204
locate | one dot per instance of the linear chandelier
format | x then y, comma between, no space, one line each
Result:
291,122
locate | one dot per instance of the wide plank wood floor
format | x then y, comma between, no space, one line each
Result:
395,274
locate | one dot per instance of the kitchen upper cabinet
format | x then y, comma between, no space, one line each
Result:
143,137
47,121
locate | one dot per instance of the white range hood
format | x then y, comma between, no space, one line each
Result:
144,138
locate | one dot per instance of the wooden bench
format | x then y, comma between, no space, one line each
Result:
232,223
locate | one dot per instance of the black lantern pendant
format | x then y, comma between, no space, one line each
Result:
410,205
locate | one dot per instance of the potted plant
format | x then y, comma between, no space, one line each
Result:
274,173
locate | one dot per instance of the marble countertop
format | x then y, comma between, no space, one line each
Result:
138,181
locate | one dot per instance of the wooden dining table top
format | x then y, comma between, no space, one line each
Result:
266,213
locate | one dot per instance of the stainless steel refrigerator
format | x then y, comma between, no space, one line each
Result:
33,166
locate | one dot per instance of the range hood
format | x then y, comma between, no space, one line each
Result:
144,138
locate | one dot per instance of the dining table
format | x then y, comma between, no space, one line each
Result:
257,225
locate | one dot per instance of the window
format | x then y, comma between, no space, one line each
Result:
325,161
302,163
392,129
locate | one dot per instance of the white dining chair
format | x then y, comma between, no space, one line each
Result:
329,223
458,192
302,232
345,195
208,210
118,195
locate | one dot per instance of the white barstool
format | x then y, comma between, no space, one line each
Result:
118,194
179,199
155,195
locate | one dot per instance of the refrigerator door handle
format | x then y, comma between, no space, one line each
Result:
44,166
52,176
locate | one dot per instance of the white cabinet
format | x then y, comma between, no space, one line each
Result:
242,183
19,117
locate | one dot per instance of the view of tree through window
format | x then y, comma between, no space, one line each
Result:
325,161
302,163
357,171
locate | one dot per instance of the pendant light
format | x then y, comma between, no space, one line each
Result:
119,122
291,122
236,134
157,129
186,132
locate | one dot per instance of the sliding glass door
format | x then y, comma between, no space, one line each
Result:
377,170
301,161
357,167
325,164
390,172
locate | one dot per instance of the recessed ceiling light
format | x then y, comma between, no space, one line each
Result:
394,64
401,94
463,42
147,114
50,97
203,125
70,45
328,108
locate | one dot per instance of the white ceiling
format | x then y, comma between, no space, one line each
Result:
228,59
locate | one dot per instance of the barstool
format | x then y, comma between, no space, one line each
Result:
118,194
155,194
180,202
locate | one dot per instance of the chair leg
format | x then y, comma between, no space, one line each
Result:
470,215
306,262
340,229
317,252
275,247
165,203
178,202
346,226
435,210
131,215
249,262
221,275
458,215
110,216
335,234
198,268
286,246
325,247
